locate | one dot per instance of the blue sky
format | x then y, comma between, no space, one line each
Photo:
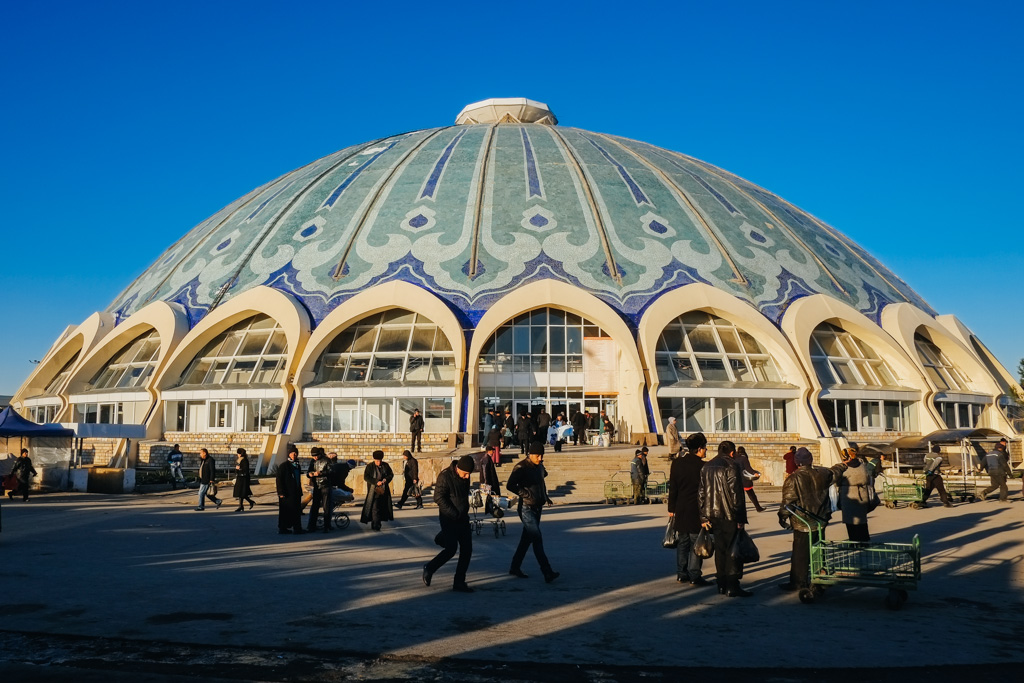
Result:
125,124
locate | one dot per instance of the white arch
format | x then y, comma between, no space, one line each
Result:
699,296
554,294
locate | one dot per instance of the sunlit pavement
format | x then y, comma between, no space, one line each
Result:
150,569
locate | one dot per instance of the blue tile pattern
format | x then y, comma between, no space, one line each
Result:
527,202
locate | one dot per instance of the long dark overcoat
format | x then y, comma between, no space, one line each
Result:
242,479
371,477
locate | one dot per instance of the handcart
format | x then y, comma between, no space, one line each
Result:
896,566
493,505
618,489
896,492
965,489
657,487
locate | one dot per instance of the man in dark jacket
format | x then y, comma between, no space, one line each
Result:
543,422
580,419
207,477
997,464
683,483
319,477
508,429
527,482
524,432
411,476
723,510
377,506
416,427
289,494
22,471
807,488
638,473
933,478
451,493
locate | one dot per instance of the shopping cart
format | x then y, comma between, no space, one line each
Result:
896,566
492,505
657,487
897,491
618,489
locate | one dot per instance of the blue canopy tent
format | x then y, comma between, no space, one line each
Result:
49,447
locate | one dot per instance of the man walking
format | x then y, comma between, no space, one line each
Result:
416,426
175,459
320,482
411,476
451,493
289,494
808,489
207,477
683,483
22,471
672,438
933,478
997,464
527,482
723,510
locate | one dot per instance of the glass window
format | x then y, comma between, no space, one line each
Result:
232,357
943,372
835,352
712,370
345,415
58,381
220,415
132,366
721,351
697,417
387,369
728,415
893,416
377,414
318,415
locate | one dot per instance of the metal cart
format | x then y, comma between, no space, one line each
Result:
492,505
896,492
896,566
657,487
618,489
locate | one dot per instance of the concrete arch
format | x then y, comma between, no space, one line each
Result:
554,294
262,300
903,320
386,296
170,322
806,313
80,339
701,297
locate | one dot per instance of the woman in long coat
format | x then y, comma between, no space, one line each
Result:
377,506
857,496
242,490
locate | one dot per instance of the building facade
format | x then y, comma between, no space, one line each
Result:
507,262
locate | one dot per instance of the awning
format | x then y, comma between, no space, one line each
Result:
946,436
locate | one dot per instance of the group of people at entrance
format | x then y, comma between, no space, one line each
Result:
502,431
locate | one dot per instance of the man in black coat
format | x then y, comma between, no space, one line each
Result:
411,475
319,476
723,510
524,432
527,482
451,493
508,429
23,471
580,420
416,426
543,422
683,483
289,494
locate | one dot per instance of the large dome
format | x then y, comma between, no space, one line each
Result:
472,211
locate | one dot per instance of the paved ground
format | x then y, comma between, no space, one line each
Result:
137,583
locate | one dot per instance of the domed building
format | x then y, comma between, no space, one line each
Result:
508,262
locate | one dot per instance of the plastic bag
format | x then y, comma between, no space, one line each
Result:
833,496
705,545
743,548
671,539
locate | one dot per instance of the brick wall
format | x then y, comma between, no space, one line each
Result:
357,445
221,446
98,452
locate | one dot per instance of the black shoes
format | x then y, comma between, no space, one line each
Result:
237,509
218,503
419,506
700,582
398,506
462,588
551,576
427,575
738,592
519,573
252,503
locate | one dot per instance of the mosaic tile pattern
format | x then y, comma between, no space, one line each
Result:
472,212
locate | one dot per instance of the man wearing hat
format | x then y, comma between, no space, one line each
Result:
377,506
806,488
289,494
638,473
451,493
411,477
319,476
672,438
527,482
683,482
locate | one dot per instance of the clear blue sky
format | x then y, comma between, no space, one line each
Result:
125,124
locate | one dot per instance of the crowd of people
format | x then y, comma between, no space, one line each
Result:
504,431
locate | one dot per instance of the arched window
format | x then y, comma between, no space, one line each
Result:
396,349
251,352
541,359
45,407
132,366
853,377
233,384
103,401
716,377
958,406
